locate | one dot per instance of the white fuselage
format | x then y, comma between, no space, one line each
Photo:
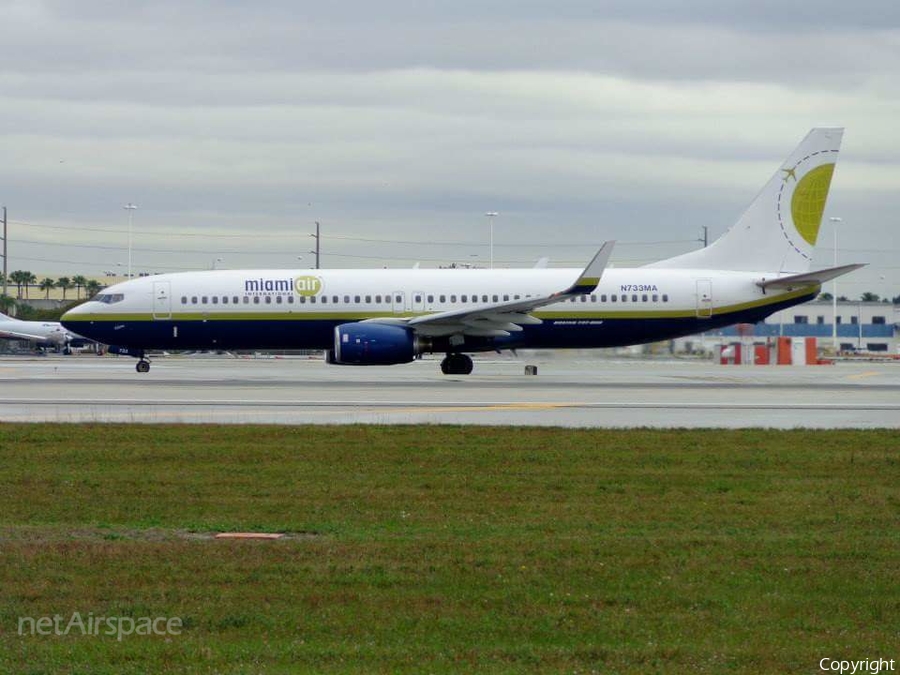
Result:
258,309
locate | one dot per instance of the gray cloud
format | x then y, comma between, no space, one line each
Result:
407,120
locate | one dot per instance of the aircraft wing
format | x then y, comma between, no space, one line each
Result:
808,278
501,319
21,335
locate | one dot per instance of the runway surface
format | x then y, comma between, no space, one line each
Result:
569,390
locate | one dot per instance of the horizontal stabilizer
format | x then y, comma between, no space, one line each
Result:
809,278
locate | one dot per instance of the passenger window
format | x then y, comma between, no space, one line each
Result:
495,298
613,297
665,298
418,298
194,300
215,300
324,299
643,298
584,298
399,299
505,298
291,299
593,297
484,298
624,298
655,298
603,298
335,299
278,299
368,299
452,298
205,300
463,298
516,297
312,299
377,298
183,299
443,298
572,299
634,298
356,299
255,299
246,300
234,300
430,299
268,299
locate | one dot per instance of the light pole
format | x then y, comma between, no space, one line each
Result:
490,216
835,221
318,237
130,208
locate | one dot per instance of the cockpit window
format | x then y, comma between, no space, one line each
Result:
109,298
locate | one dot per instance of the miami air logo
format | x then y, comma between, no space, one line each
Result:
802,195
307,286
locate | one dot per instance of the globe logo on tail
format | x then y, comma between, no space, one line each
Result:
807,196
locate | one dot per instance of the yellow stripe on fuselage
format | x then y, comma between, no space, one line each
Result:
606,312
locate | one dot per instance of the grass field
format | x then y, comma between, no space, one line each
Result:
450,549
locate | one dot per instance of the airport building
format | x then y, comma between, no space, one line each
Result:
861,327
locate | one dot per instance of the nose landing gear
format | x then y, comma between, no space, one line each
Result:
456,364
142,366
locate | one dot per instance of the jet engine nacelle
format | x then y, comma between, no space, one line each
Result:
373,344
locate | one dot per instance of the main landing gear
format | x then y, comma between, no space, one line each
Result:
456,364
143,364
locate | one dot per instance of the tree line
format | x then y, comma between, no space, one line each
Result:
23,279
865,297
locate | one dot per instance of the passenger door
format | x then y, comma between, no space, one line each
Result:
704,298
398,300
418,302
162,300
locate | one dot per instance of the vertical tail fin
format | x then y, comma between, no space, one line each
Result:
778,231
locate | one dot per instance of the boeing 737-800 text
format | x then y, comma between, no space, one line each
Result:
382,317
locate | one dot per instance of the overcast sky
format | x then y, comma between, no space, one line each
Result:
397,125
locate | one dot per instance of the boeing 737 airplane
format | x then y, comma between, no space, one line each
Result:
383,317
44,333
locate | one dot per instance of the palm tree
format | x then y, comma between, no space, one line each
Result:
29,280
21,278
79,282
47,285
65,283
869,297
92,287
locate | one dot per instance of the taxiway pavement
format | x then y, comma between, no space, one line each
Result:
570,391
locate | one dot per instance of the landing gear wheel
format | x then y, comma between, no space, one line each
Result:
456,364
142,366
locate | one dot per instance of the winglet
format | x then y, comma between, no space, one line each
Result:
589,279
809,278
